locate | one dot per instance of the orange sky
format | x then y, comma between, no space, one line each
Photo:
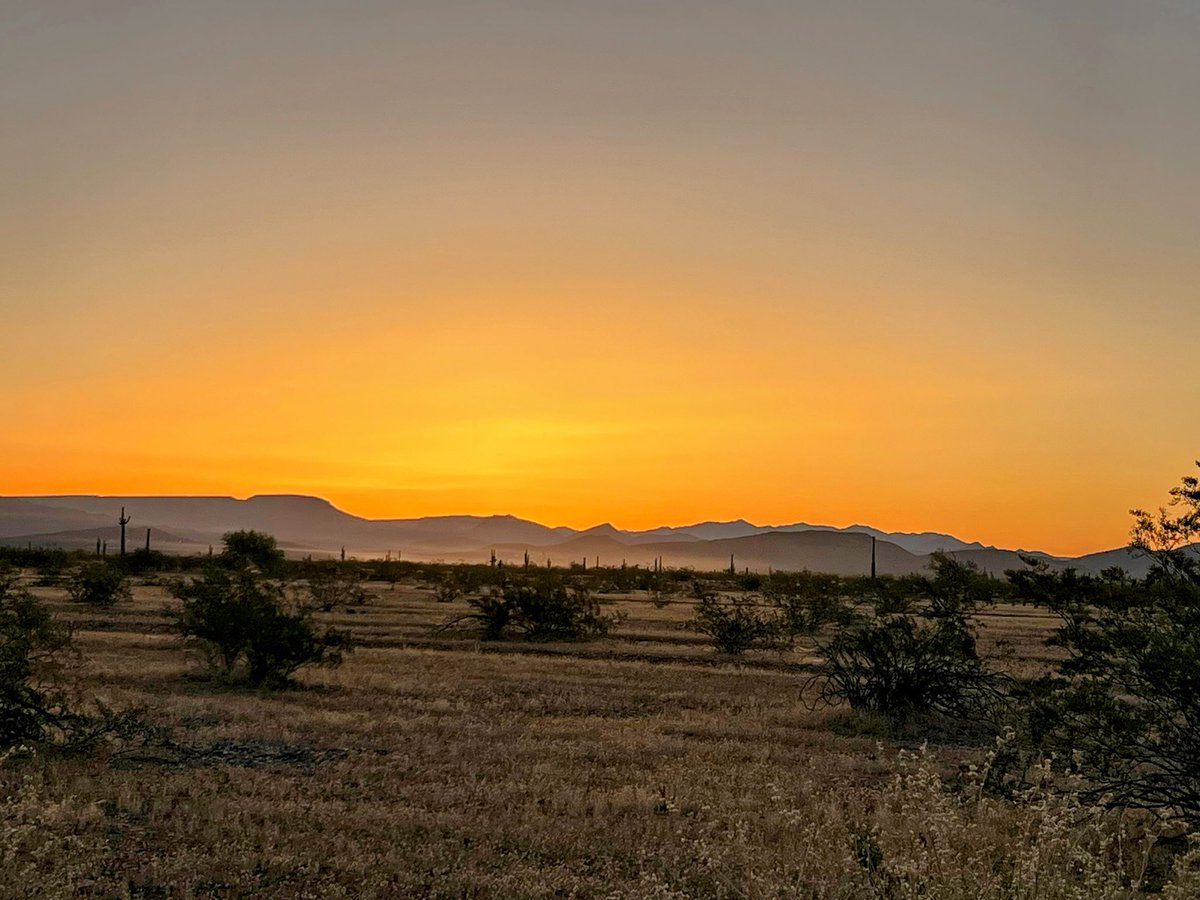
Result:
584,263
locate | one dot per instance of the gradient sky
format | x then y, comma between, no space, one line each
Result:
928,265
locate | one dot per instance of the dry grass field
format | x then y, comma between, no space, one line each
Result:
433,765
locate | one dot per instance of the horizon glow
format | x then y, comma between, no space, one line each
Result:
584,263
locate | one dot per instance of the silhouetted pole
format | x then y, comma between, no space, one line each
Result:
124,520
872,557
147,541
732,569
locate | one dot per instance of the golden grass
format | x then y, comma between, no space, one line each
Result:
436,766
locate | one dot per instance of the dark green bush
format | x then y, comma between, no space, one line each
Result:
35,709
32,650
923,659
249,628
52,570
252,548
541,608
99,584
1125,703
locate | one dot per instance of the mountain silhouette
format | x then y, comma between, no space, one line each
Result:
305,524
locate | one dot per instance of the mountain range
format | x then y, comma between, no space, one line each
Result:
305,525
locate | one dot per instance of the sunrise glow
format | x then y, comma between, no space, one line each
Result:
590,265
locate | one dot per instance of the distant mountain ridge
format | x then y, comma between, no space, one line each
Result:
306,524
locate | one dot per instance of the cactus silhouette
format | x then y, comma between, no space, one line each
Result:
124,520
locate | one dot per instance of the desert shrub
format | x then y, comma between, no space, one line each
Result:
493,612
391,571
736,624
545,608
33,648
35,708
556,610
142,562
751,581
682,575
249,628
51,569
337,585
922,660
252,548
1125,703
448,588
99,584
1171,536
808,601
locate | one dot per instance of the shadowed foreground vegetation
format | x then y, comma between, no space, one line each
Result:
637,765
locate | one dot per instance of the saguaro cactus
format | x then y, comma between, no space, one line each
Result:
124,520
147,540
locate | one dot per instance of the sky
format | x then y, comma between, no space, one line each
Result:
925,266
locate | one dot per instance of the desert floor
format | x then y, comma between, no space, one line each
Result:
432,764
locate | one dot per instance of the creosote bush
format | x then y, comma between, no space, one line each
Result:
737,624
542,608
251,629
914,651
99,584
33,649
448,588
1125,703
36,710
809,601
335,584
